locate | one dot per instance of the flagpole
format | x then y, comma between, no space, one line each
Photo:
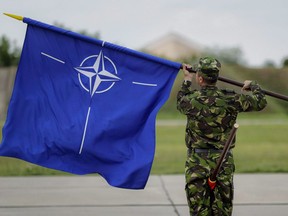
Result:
233,82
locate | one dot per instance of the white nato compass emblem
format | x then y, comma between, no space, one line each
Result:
97,74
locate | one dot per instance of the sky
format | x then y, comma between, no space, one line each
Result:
257,27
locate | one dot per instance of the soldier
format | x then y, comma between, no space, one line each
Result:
211,114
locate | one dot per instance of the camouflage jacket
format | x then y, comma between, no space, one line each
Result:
211,112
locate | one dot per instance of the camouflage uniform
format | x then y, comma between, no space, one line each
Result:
211,113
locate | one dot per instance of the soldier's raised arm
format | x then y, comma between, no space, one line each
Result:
255,101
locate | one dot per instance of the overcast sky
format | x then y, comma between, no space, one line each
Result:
258,27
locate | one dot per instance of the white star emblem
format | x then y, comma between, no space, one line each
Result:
97,74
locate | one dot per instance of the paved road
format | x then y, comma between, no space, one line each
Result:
255,194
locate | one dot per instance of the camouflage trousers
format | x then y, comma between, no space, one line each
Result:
201,199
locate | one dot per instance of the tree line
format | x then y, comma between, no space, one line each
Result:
10,53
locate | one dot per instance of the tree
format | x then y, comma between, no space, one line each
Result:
83,32
285,62
9,53
232,55
269,64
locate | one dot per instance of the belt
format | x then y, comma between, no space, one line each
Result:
198,150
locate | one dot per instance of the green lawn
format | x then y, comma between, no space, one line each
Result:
262,146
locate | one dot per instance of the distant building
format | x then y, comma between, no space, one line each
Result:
174,47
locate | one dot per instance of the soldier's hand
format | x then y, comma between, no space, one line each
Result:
246,86
187,74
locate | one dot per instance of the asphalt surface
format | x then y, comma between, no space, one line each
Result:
255,194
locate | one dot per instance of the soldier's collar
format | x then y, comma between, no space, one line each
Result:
214,87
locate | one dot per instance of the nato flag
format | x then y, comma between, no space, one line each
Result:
82,105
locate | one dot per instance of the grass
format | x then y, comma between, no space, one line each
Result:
261,147
170,152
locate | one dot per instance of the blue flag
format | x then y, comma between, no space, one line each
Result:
82,105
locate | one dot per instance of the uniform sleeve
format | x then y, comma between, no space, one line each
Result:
254,102
183,101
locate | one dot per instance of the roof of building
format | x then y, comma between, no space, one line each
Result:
173,46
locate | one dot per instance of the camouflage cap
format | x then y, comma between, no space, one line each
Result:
208,68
